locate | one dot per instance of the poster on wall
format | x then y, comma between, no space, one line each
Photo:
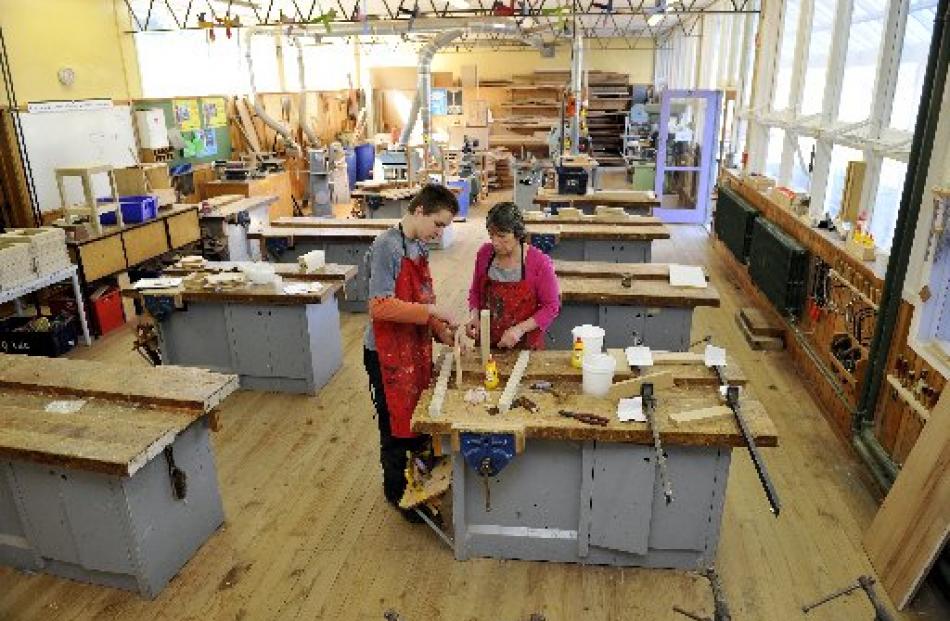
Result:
214,112
186,114
210,143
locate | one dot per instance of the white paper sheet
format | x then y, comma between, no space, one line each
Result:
687,276
165,282
303,288
65,407
639,356
714,356
631,410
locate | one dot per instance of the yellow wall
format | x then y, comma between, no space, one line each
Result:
43,36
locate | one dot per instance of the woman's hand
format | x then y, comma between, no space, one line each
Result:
510,338
473,329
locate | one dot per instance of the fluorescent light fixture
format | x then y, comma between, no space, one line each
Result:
460,4
655,19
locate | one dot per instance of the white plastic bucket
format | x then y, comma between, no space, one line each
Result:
592,337
598,374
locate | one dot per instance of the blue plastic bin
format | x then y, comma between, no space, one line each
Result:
135,209
465,196
365,158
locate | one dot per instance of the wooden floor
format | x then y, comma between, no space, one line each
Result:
309,535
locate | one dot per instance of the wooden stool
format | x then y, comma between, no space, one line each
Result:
90,209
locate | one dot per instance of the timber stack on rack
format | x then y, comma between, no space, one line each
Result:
608,103
534,103
503,178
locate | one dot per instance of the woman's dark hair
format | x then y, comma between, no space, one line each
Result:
505,217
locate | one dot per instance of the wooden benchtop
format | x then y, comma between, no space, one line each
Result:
289,271
183,388
605,269
457,415
248,294
604,197
129,416
329,223
639,293
599,231
687,367
345,233
538,217
230,209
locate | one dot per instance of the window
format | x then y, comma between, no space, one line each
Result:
913,63
773,160
801,164
786,55
935,320
861,61
186,63
816,71
887,201
840,156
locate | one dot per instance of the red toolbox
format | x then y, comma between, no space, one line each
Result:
107,313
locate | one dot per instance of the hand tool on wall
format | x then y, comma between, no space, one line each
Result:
649,410
732,400
866,583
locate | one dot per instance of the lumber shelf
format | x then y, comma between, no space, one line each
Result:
548,424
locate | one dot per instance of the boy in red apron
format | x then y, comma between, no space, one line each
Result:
515,282
397,349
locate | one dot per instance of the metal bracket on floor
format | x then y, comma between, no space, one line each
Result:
866,583
431,524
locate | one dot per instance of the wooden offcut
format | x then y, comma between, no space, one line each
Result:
913,524
759,324
485,335
755,341
629,388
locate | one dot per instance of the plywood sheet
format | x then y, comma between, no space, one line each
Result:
913,524
144,242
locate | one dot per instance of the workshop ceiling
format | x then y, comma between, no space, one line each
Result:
645,23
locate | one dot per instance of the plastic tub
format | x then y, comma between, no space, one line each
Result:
135,209
598,374
592,336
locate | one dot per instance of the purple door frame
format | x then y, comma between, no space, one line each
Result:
699,213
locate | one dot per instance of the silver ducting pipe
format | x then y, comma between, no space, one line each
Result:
302,106
259,109
420,105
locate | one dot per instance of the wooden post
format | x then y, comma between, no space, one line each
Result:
485,334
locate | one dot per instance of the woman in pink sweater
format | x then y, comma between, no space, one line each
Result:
515,282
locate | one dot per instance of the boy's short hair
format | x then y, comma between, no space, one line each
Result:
434,198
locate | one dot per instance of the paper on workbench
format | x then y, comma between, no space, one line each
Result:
303,288
639,356
687,276
714,356
164,282
631,410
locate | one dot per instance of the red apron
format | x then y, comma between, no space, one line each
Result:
405,349
511,303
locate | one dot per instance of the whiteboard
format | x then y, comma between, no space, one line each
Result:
76,138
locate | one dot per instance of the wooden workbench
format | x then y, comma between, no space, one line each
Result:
85,492
634,202
589,494
539,217
273,340
650,311
445,241
274,184
228,223
119,248
596,242
604,269
287,271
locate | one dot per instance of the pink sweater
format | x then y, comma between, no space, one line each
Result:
539,272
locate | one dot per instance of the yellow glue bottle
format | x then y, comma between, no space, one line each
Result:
577,358
491,374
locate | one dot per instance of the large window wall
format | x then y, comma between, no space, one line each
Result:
840,80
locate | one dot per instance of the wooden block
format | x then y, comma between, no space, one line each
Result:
485,335
759,324
437,484
715,412
102,257
145,242
630,388
913,524
457,354
183,229
128,304
758,342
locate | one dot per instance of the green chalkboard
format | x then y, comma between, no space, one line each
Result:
219,137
